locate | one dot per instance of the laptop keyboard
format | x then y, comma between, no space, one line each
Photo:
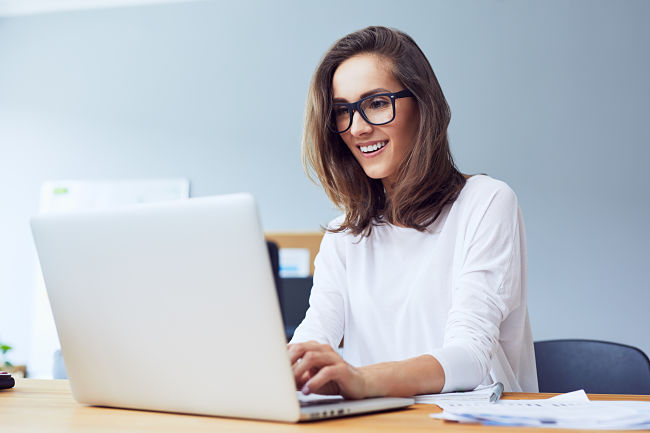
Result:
308,403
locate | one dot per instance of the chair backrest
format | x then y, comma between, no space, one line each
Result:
598,367
295,293
274,256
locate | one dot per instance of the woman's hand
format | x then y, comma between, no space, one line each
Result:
319,369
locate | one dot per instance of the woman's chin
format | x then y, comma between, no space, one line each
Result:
375,172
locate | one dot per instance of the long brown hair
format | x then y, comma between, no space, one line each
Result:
427,179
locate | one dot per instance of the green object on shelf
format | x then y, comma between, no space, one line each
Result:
60,190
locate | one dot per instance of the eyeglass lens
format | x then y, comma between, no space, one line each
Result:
377,110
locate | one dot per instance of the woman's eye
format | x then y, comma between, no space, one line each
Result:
378,103
340,111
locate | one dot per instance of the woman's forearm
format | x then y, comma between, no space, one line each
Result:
420,375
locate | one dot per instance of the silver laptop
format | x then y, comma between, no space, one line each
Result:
172,307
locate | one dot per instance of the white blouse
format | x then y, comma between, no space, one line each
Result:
456,291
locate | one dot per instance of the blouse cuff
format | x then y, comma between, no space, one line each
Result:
462,371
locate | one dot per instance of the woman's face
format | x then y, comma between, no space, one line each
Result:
364,75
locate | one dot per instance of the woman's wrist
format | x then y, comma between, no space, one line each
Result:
375,379
419,375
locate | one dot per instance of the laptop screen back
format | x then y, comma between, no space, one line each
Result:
169,307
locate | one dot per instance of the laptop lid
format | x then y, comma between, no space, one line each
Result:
169,307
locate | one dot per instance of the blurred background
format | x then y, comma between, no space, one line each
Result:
551,97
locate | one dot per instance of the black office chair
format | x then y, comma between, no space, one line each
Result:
274,256
598,367
293,293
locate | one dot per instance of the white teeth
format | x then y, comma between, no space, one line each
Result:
373,147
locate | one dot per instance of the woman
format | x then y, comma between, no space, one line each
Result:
425,273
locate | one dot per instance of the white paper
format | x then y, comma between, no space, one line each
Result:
572,410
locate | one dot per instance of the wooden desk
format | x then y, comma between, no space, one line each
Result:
48,406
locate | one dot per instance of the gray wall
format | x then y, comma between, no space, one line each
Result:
551,97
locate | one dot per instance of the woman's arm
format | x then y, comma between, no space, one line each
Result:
324,320
489,285
320,369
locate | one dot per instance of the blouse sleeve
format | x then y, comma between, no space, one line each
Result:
324,320
487,287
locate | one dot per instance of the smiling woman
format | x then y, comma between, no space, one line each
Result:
425,273
399,166
378,138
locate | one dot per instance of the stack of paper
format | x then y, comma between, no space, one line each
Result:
573,410
485,393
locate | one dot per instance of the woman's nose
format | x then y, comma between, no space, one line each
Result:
359,124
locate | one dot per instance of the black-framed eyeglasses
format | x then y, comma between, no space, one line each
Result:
377,109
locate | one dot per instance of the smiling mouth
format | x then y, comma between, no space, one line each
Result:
373,147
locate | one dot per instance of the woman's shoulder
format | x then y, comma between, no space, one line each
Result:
334,243
336,222
342,238
331,235
482,186
485,183
482,191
